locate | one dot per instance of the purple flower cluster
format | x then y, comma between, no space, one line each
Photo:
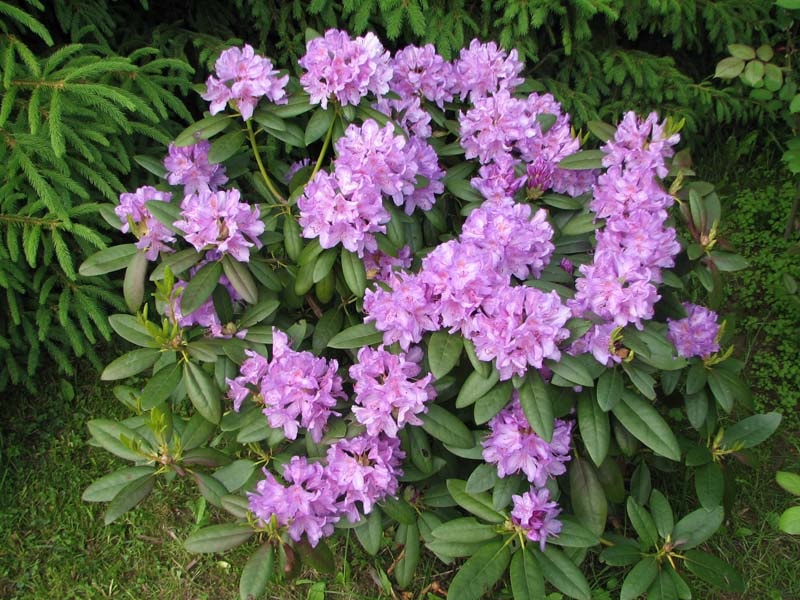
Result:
464,285
346,206
297,388
514,447
345,69
243,77
635,243
359,470
153,237
386,394
188,166
485,69
697,334
536,515
220,221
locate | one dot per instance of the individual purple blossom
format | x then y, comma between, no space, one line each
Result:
493,125
153,237
536,515
640,145
485,69
513,446
295,168
345,208
408,114
188,166
387,393
573,182
498,179
220,221
428,175
297,389
517,244
254,368
345,69
306,506
697,334
243,77
364,470
518,327
422,72
403,313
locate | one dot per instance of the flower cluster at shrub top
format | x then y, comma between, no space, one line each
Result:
438,279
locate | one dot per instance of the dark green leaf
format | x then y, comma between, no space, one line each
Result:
106,488
714,571
161,385
357,336
240,278
573,535
621,555
399,510
727,261
609,389
638,580
203,130
662,513
328,326
408,536
355,275
446,427
256,573
594,427
129,328
639,417
211,489
588,500
444,350
491,403
464,529
527,581
128,497
643,381
218,538
200,287
571,369
561,572
696,527
751,431
536,405
318,557
226,146
585,159
118,439
370,531
643,523
318,125
603,131
203,394
709,485
479,504
475,386
108,260
482,478
479,574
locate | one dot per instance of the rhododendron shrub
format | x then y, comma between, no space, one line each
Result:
401,295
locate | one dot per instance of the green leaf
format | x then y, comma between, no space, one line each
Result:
218,538
202,392
603,131
696,527
152,164
585,159
696,378
561,572
663,586
639,417
297,104
662,513
621,554
491,403
573,535
324,264
609,389
789,521
588,499
131,329
444,350
527,581
130,364
751,431
196,432
203,130
765,52
571,369
370,531
399,510
319,558
482,478
178,263
328,326
133,284
464,529
639,579
236,474
106,488
257,573
108,260
355,275
594,427
200,287
318,125
240,278
479,504
475,386
642,380
128,497
446,427
536,405
357,336
714,571
211,489
709,484
729,67
161,385
727,261
408,536
479,574
753,73
226,146
789,481
741,51
580,224
643,523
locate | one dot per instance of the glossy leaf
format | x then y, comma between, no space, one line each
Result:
643,523
257,573
588,499
561,572
479,574
714,571
475,386
240,278
408,536
118,439
130,364
203,394
479,504
128,497
109,260
696,527
444,350
537,406
594,427
218,538
709,485
639,579
200,287
370,531
446,427
357,336
751,431
161,385
643,421
107,487
527,581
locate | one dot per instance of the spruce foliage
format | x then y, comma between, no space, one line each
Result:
70,119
